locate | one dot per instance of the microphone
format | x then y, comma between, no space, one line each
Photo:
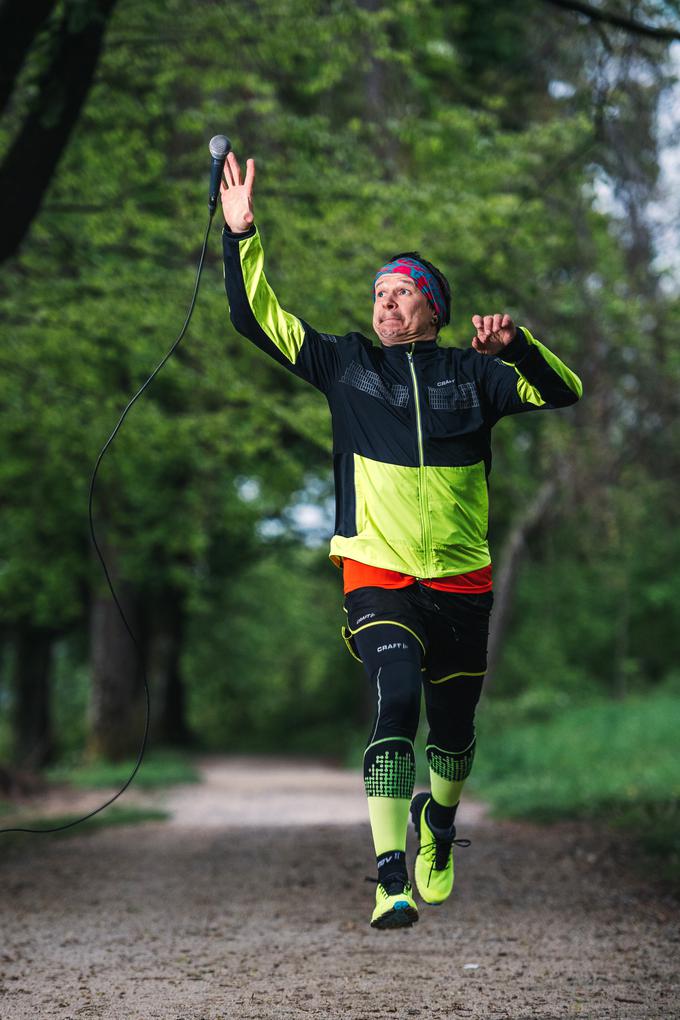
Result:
220,147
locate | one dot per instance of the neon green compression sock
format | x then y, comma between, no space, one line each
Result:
448,772
389,778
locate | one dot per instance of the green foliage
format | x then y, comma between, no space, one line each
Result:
110,817
272,672
610,761
584,757
596,607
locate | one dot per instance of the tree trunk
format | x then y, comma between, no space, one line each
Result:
377,98
33,744
32,159
20,24
116,711
168,702
514,550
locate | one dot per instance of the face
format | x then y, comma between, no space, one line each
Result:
401,313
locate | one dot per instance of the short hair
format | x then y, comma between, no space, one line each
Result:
438,275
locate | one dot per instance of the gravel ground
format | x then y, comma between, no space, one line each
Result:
251,902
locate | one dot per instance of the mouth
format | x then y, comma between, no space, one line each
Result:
390,318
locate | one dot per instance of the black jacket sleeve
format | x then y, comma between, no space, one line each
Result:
528,377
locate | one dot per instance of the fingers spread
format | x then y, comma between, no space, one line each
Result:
250,174
477,322
488,323
229,172
497,319
235,168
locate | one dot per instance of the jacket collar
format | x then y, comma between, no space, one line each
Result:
417,348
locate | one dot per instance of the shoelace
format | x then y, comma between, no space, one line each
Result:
442,849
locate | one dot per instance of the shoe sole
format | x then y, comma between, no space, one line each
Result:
398,917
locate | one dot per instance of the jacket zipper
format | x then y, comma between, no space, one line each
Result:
423,500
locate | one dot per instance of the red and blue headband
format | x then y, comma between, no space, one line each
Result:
425,281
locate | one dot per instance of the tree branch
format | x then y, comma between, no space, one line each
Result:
618,20
30,163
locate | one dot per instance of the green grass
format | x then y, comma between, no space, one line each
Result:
610,761
107,818
161,768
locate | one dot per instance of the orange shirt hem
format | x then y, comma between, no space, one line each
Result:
361,575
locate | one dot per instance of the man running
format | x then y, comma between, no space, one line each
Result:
411,456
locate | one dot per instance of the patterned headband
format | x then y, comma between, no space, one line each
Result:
425,281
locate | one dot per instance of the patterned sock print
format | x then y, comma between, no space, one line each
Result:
390,768
454,766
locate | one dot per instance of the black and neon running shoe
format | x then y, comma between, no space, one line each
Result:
433,870
394,905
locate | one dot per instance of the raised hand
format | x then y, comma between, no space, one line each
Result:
237,195
494,332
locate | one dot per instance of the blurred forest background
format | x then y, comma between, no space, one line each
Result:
528,148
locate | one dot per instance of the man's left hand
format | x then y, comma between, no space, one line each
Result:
494,332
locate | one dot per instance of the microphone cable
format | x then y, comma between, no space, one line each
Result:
77,821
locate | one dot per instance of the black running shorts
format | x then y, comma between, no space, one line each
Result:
451,628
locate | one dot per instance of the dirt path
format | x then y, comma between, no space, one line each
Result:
251,903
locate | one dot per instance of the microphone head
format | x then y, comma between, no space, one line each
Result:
220,147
